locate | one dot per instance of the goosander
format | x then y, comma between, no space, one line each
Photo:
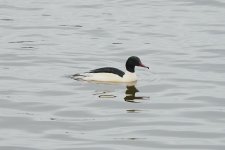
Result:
110,74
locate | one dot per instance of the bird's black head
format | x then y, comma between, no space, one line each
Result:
132,62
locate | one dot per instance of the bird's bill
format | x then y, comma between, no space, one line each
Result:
142,65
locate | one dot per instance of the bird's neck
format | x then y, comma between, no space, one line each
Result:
130,68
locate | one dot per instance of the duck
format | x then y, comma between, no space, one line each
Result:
111,74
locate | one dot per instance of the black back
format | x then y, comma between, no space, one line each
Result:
108,70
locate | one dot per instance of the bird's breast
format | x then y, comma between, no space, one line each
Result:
110,77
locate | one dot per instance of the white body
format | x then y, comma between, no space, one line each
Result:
108,77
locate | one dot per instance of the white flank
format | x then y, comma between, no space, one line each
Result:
109,77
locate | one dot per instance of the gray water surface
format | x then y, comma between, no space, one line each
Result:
178,104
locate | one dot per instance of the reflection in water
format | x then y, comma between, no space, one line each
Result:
130,94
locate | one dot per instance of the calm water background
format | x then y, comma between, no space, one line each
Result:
180,103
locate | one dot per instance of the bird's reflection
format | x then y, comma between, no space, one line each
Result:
130,94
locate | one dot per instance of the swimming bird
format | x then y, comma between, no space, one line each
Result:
111,74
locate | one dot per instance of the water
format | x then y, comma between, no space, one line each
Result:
177,104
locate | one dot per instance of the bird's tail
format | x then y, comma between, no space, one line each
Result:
78,76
